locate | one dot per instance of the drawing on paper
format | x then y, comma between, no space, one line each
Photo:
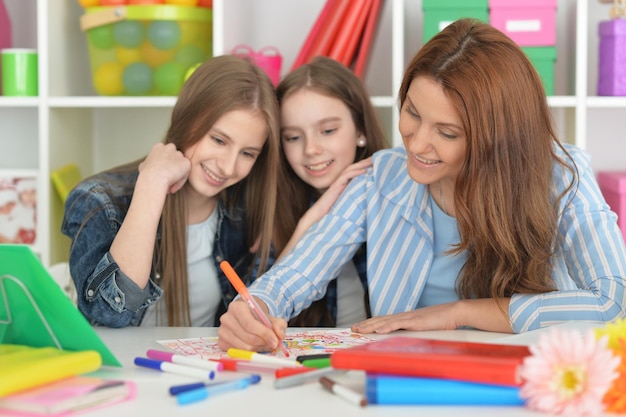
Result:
302,343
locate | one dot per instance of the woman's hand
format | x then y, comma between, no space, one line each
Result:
439,317
323,205
484,314
240,329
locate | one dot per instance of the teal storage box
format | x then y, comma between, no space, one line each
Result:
440,13
543,59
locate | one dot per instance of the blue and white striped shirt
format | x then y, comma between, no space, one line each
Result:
390,211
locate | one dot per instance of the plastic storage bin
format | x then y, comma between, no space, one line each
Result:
440,13
543,59
613,186
528,22
145,50
612,58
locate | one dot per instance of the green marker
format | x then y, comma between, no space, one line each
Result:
316,363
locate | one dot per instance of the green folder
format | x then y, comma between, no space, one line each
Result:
35,312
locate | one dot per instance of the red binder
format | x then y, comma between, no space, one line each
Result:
326,36
366,41
303,55
462,361
344,47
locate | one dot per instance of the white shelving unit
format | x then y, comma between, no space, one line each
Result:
68,122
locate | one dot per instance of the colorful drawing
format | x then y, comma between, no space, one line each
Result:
302,343
18,207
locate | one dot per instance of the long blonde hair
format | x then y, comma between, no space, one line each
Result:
220,85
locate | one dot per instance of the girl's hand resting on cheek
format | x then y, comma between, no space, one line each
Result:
166,166
240,329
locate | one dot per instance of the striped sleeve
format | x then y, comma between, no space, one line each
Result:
302,276
590,266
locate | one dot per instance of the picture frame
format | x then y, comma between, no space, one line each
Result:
18,206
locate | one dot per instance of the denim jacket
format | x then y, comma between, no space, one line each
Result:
106,296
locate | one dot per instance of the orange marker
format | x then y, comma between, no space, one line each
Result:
291,370
243,291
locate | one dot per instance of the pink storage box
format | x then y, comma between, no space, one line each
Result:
527,22
613,186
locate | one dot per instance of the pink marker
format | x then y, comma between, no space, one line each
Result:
240,365
184,360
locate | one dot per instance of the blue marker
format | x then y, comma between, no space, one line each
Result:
202,393
179,389
174,368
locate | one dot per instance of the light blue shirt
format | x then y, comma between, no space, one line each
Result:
390,211
440,286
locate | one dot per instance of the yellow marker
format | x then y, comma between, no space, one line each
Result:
260,358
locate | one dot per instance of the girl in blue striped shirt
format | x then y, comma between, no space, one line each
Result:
483,219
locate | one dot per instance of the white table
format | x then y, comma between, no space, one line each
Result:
262,399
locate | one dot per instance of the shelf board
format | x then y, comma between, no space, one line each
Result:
606,102
6,101
384,101
98,102
562,101
553,101
167,101
116,102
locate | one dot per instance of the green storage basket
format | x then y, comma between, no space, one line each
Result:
146,50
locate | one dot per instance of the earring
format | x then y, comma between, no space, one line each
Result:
361,142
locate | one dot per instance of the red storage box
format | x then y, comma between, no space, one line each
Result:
528,22
613,186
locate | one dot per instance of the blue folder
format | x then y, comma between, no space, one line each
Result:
392,389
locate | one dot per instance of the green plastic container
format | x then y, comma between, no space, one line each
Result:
543,59
146,50
440,13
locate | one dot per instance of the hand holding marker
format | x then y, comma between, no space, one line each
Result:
243,291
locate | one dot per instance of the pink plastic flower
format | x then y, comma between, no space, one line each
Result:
568,373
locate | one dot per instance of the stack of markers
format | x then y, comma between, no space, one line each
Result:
317,368
214,379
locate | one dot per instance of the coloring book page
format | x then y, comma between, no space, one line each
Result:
299,344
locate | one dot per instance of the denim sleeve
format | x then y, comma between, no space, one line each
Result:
106,296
